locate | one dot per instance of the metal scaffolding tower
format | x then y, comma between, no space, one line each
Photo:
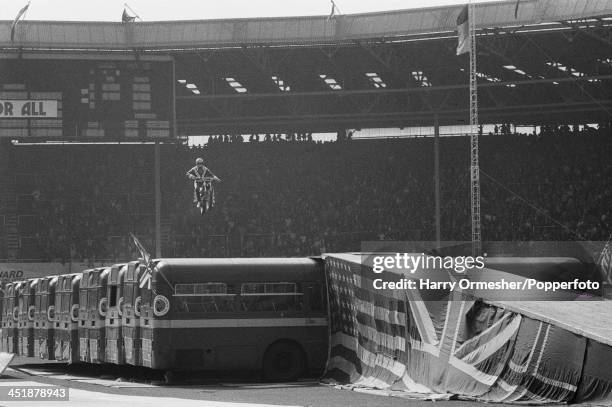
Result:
474,166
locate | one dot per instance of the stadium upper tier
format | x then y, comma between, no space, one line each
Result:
390,25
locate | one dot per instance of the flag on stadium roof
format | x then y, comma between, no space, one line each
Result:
19,16
332,13
463,29
126,18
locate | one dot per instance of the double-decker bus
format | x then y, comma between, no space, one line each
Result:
266,314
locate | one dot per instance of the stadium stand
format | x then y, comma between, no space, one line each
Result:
294,198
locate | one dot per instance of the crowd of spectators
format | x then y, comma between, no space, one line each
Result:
304,198
80,202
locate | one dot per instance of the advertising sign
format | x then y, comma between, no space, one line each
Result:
10,272
28,109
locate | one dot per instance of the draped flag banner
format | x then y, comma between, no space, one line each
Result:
605,261
447,344
463,31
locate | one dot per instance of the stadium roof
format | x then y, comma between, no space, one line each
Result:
552,63
292,30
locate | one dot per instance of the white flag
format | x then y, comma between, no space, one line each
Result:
16,20
463,29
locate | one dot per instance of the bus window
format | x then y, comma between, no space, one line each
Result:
210,288
271,297
129,293
316,297
113,296
83,297
183,289
37,300
281,288
204,297
145,297
92,302
253,288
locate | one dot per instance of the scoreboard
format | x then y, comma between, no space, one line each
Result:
88,98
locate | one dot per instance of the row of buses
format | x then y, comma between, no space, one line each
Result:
185,314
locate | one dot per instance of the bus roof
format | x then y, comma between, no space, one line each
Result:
222,269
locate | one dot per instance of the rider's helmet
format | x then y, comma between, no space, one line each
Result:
199,161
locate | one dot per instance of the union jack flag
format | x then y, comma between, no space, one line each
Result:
438,344
146,275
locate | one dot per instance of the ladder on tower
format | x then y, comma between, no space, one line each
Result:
474,142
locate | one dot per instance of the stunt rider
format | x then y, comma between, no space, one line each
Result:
197,174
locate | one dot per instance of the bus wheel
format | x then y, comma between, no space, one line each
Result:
284,361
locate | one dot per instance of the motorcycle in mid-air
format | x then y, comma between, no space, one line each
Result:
205,193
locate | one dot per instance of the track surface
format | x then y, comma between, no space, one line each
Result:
95,385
